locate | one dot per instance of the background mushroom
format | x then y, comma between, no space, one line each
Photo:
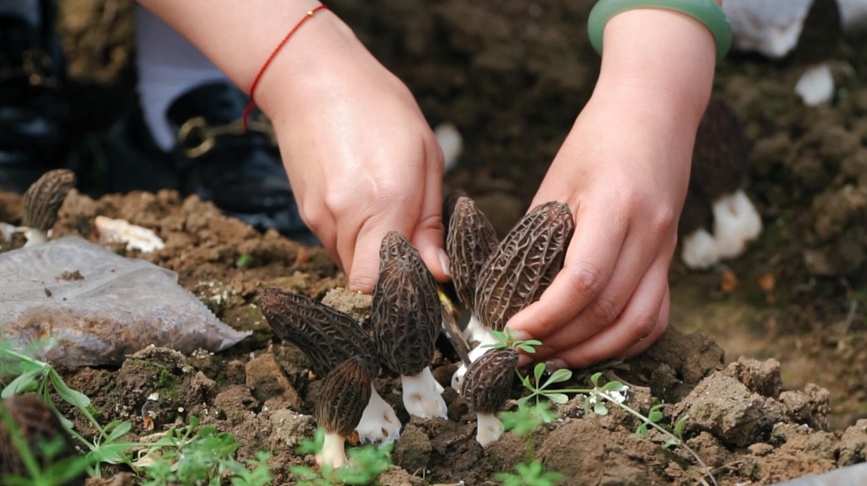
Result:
486,388
471,239
42,201
407,318
345,391
329,337
519,270
716,198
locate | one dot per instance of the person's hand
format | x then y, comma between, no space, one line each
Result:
624,174
360,156
624,171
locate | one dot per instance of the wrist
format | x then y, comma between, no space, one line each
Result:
660,55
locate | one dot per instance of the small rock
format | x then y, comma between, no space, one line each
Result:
762,377
288,429
761,449
235,372
202,386
235,402
412,451
356,304
853,444
396,476
266,381
727,409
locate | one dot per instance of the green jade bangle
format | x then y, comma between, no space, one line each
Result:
705,11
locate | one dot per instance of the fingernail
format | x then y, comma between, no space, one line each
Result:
554,364
444,262
522,335
524,360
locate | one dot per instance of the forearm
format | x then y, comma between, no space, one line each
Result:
664,59
239,36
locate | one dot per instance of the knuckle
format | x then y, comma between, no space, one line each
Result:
602,312
664,220
587,279
643,327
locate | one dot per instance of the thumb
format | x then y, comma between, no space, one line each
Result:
428,239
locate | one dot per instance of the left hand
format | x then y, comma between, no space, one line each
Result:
623,170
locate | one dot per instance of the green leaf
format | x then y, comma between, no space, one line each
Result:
525,348
678,426
25,382
599,408
538,371
641,431
117,430
70,396
559,376
557,397
672,442
595,379
613,386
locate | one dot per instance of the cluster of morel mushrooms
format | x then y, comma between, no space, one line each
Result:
494,281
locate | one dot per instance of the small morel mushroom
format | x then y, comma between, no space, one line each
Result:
42,201
407,318
329,337
486,388
719,167
519,270
345,391
471,239
41,430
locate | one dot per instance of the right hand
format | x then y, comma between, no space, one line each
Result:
360,156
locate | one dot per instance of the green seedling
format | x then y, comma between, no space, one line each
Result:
507,339
366,463
244,261
521,422
531,474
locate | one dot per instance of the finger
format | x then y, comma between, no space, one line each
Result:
586,271
638,321
661,326
428,234
630,270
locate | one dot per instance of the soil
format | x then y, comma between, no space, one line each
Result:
766,354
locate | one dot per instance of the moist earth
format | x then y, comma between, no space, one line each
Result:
765,356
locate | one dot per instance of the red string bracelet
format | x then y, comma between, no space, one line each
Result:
282,43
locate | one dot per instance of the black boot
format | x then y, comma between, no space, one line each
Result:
241,172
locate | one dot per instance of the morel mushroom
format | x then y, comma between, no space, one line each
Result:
486,388
341,404
39,427
42,201
470,241
519,270
407,318
329,337
719,167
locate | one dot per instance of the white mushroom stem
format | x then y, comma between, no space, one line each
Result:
333,453
699,250
34,236
489,428
735,222
378,422
422,395
485,345
475,331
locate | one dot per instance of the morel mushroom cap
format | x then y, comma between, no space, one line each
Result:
488,380
407,314
327,336
719,160
44,198
471,240
345,393
486,388
407,317
524,264
38,425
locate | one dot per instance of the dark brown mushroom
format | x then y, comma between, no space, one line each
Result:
39,427
471,240
328,338
486,388
524,264
342,400
407,318
44,198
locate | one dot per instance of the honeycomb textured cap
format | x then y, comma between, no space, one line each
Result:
44,198
344,394
488,380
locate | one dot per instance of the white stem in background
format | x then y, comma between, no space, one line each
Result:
735,222
699,250
476,353
422,395
333,453
489,428
34,237
475,331
378,422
